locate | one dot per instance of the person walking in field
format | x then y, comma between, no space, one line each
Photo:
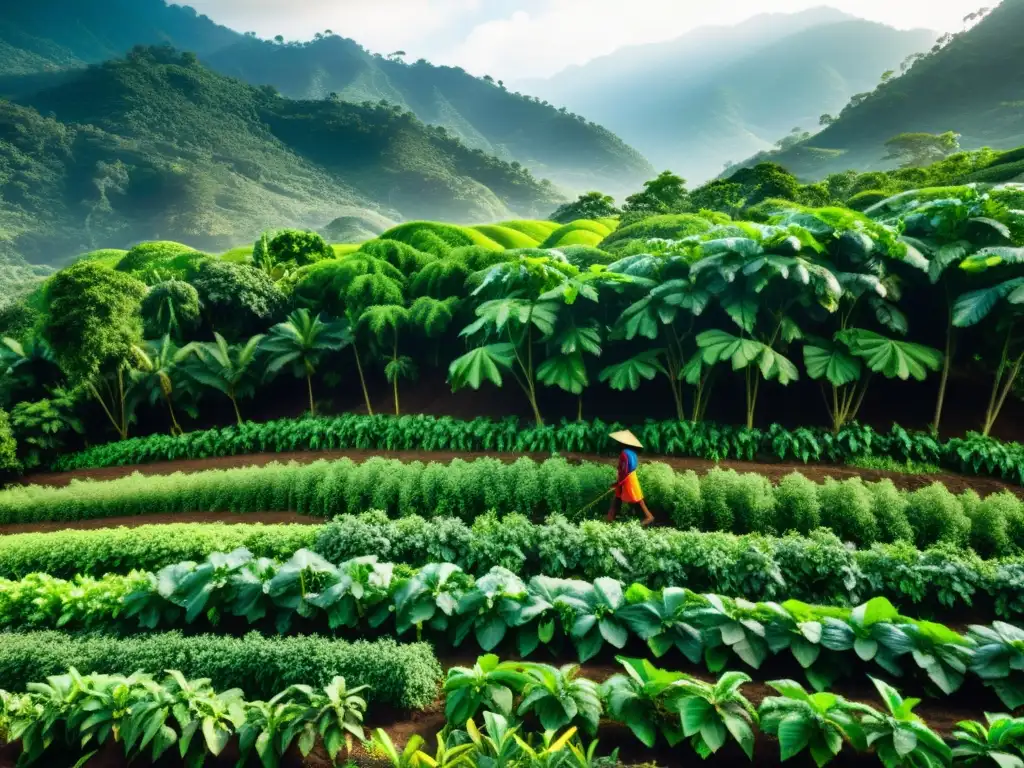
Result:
627,487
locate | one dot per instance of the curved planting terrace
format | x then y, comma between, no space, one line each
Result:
974,454
721,500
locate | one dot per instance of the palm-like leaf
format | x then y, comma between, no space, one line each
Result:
974,306
890,357
384,322
230,369
481,364
629,373
831,361
432,316
565,371
302,341
987,258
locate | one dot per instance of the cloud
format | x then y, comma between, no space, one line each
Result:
521,39
561,33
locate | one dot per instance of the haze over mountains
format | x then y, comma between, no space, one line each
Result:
973,86
724,93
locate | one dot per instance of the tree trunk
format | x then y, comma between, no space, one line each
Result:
394,380
234,403
947,363
362,380
996,406
309,388
121,398
579,408
175,426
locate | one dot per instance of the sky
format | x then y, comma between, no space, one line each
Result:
517,40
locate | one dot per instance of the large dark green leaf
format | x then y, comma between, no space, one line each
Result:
629,373
567,372
974,306
831,361
481,364
890,357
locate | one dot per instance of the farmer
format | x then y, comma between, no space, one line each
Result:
627,487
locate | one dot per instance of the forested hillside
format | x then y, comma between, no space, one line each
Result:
40,41
484,114
974,86
157,146
723,94
46,35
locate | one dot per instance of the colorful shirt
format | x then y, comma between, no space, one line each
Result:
628,486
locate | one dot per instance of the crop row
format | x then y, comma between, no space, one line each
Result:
148,716
974,454
402,676
660,705
73,713
721,500
443,602
818,568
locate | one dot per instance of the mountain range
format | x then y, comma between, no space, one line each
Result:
41,39
723,93
973,85
155,145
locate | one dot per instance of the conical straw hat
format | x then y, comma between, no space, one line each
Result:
626,438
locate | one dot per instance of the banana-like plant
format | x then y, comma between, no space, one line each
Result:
711,713
385,323
159,374
489,684
529,293
901,738
301,342
818,722
230,369
973,307
560,697
999,743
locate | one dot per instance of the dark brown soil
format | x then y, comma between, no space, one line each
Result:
955,482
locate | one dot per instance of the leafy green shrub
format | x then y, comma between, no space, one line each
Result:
400,675
161,260
9,464
936,516
677,493
297,247
398,254
994,520
40,428
734,502
171,307
889,506
796,504
846,509
239,300
146,547
669,226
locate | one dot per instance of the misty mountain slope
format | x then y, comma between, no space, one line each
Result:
484,115
974,86
700,111
49,34
156,146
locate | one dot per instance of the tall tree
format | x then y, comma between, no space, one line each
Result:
590,205
302,342
527,297
914,150
158,375
231,369
92,323
664,194
385,323
1006,296
941,234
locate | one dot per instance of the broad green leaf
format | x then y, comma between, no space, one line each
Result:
890,357
481,364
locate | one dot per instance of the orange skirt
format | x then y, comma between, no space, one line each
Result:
629,489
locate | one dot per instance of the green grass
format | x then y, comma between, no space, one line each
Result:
108,257
240,255
579,232
507,237
672,226
437,238
537,229
344,249
889,464
610,223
